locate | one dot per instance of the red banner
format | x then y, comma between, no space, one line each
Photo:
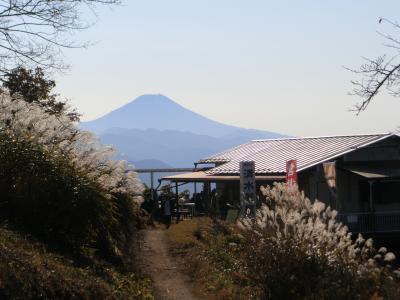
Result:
291,172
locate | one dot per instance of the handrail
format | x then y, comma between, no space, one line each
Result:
371,222
370,212
168,170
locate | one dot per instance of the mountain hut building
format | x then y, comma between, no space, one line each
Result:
358,175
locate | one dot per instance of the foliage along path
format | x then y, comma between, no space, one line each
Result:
155,261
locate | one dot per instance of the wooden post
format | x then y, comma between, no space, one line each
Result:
206,195
195,184
152,185
178,215
371,196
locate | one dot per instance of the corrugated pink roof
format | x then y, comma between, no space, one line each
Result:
270,156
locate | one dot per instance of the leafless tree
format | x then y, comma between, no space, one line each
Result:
34,32
381,73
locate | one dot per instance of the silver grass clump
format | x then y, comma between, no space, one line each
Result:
24,121
288,214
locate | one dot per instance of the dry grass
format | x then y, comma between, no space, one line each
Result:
202,246
30,271
224,263
187,233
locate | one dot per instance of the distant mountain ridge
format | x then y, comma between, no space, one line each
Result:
162,113
150,164
172,147
155,132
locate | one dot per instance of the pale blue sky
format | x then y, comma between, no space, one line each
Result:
273,65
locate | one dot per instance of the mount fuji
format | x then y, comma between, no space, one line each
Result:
155,131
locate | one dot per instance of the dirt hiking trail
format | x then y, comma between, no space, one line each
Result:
155,261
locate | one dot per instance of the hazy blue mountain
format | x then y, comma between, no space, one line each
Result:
172,147
160,112
150,163
155,132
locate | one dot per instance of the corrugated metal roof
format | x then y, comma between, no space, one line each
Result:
270,156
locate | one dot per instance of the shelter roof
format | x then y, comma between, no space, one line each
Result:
374,172
202,176
270,155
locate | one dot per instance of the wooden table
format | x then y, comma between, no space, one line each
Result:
189,208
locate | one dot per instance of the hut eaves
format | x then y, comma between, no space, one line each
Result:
270,155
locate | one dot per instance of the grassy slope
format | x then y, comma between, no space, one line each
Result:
30,271
203,247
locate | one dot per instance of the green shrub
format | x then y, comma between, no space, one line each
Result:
60,184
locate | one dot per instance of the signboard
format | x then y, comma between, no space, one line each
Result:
330,175
291,172
248,189
330,178
232,215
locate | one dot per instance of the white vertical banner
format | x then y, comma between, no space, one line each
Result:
248,189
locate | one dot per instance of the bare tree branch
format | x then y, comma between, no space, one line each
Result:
34,32
380,73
